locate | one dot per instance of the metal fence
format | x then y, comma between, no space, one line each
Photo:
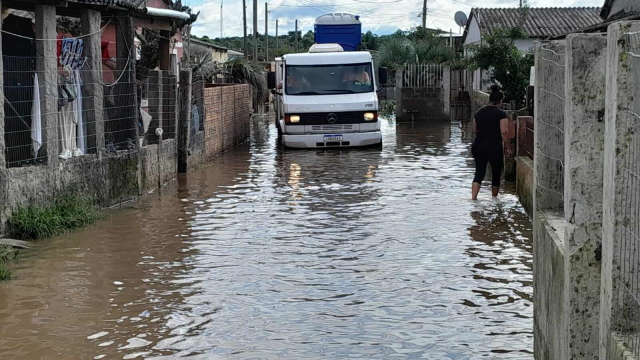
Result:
120,107
42,106
525,136
196,127
158,110
422,76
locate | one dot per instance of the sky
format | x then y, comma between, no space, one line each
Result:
379,16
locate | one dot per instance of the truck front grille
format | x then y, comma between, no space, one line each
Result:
327,118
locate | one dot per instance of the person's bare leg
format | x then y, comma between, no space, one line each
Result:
495,190
475,189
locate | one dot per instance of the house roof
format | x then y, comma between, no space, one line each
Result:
207,44
130,4
539,22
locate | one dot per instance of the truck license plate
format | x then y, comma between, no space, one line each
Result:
332,138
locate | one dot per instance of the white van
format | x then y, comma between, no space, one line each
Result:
326,98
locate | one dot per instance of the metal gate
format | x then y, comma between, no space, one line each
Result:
461,88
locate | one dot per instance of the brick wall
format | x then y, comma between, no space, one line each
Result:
227,115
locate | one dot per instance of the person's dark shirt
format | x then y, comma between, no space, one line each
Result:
488,123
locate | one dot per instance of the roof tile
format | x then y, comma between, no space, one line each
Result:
540,22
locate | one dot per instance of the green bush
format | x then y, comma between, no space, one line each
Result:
68,212
6,253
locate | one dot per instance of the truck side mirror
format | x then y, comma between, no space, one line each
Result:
383,75
271,80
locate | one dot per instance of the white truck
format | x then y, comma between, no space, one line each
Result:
327,98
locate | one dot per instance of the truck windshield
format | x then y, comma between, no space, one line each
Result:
328,79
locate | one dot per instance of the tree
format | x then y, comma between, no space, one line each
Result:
307,40
505,64
401,49
369,41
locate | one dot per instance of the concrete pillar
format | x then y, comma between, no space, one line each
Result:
184,118
93,96
155,104
164,50
446,88
584,150
126,61
3,162
46,68
549,126
550,325
620,230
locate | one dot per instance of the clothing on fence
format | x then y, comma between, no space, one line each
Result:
36,118
70,52
67,122
77,108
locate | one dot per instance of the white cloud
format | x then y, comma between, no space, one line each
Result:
379,16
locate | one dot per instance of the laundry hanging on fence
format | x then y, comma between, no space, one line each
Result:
36,118
70,52
77,107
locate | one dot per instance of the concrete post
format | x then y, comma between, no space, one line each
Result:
446,88
584,151
549,126
3,162
126,61
399,76
619,306
155,104
46,68
184,120
550,325
93,96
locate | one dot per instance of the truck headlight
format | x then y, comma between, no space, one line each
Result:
292,118
370,116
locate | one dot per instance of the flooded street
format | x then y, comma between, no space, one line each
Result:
269,254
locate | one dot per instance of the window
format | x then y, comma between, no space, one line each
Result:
328,79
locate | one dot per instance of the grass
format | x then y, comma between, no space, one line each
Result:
68,212
6,253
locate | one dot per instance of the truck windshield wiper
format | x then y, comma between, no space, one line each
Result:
307,93
344,91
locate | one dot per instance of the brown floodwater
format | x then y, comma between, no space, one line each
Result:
268,254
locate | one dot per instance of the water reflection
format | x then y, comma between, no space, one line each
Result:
301,254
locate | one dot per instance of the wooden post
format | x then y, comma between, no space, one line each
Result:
164,50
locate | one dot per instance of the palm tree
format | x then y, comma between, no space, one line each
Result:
399,50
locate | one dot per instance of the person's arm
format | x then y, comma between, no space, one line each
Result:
504,130
475,126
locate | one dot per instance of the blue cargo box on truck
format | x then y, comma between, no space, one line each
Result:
339,28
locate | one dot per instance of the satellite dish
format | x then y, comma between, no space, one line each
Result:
461,18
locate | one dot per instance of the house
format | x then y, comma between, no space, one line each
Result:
218,53
620,10
539,23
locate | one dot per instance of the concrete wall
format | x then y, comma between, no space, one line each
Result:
524,183
587,137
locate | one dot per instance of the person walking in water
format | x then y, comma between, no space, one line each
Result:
491,126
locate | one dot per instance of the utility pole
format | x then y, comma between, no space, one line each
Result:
266,32
424,14
296,35
221,21
277,49
255,30
244,28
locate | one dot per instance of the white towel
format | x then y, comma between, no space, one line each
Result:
36,118
77,108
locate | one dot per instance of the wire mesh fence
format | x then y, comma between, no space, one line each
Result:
47,113
120,108
196,126
626,296
159,109
422,76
